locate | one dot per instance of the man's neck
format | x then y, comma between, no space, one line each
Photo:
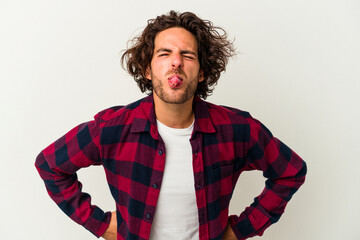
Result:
174,115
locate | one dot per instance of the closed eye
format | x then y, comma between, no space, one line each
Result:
163,52
188,54
189,57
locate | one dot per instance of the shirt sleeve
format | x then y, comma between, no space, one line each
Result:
285,172
57,166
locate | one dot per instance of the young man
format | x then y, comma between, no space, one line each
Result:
171,159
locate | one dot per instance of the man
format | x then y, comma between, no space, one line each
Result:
171,159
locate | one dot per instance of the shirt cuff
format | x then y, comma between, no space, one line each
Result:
98,222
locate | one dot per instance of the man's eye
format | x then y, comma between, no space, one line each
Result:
189,57
163,54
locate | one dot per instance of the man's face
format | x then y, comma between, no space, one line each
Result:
175,68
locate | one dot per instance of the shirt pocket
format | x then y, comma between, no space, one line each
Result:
220,181
219,190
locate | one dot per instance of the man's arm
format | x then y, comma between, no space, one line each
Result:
285,172
229,234
111,231
57,166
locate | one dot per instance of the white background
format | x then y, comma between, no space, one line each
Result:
298,72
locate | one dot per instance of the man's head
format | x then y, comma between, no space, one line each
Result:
213,50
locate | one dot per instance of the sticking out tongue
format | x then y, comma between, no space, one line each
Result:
175,82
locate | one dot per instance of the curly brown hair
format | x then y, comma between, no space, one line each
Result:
214,49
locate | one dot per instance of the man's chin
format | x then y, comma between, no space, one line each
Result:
173,99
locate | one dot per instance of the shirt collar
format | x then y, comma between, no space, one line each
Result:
145,118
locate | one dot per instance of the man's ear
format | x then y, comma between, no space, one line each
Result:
201,75
148,73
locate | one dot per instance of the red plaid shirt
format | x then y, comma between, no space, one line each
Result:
126,142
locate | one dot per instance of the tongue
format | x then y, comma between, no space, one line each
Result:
175,82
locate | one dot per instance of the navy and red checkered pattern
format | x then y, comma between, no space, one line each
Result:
126,142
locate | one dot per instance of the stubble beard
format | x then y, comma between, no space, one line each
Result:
177,96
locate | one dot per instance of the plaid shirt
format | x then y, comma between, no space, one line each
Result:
126,142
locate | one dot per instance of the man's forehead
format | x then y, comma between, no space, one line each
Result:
175,37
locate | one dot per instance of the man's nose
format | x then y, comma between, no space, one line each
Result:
177,61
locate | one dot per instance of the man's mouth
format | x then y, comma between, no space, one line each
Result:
175,81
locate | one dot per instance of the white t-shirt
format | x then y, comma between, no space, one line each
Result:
176,214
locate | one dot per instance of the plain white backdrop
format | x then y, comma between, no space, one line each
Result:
298,72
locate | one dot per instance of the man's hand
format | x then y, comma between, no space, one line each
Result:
111,231
229,234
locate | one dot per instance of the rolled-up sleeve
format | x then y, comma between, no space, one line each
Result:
285,172
57,165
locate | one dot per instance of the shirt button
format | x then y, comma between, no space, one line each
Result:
160,152
155,186
148,215
198,186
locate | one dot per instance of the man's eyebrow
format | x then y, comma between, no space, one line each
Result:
163,50
188,52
